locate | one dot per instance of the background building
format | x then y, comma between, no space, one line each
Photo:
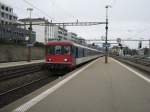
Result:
7,16
58,33
81,40
45,33
9,30
15,34
74,37
42,31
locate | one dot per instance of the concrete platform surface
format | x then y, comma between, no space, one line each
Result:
13,64
98,88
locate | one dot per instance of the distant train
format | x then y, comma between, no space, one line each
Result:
67,55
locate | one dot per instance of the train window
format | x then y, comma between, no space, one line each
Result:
73,51
88,52
67,50
83,52
77,54
50,49
80,52
57,49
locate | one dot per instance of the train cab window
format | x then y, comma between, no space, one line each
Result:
57,49
67,50
50,49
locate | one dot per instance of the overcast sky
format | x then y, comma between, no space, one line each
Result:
128,18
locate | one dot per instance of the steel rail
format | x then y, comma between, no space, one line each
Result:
20,87
13,72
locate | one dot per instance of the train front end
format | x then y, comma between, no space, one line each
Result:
59,56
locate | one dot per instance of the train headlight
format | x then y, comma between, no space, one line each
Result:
49,59
65,60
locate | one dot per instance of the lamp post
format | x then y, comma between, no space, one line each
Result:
106,47
30,36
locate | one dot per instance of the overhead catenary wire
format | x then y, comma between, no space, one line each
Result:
57,5
33,6
23,10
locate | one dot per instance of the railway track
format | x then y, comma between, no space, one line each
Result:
15,92
18,81
20,87
138,62
27,81
12,72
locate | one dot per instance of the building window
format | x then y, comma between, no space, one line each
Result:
59,37
10,17
60,32
15,18
6,8
2,7
2,14
6,16
10,10
65,34
2,22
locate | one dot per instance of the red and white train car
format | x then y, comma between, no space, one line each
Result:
67,55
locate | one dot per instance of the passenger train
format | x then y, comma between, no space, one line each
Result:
66,55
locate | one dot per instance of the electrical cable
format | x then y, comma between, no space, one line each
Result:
27,2
57,5
22,10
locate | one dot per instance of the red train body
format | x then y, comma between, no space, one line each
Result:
67,55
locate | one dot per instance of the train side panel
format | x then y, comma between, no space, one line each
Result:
85,59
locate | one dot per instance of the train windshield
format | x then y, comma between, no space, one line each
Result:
59,50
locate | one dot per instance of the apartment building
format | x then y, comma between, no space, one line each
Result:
9,31
7,16
58,33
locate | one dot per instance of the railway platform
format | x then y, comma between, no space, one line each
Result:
96,87
20,63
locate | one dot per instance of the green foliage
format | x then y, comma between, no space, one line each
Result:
39,44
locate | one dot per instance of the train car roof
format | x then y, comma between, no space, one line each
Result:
70,43
75,44
60,43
